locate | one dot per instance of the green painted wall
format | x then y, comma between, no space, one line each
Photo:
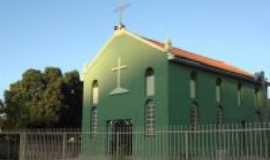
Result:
138,57
180,101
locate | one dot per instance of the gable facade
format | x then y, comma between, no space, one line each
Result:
136,58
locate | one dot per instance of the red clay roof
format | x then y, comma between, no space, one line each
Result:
204,60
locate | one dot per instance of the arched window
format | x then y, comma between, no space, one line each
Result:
218,90
193,85
257,97
94,120
95,92
239,94
194,116
150,117
94,109
267,90
220,115
149,82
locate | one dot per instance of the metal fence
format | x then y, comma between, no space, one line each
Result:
40,145
207,142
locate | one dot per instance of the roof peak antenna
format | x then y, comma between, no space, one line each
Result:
120,8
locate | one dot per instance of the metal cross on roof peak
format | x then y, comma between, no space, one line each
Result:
121,7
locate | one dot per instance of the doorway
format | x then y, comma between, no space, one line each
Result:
119,137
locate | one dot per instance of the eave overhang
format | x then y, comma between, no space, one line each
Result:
212,69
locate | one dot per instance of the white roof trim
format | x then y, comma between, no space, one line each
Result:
91,63
144,41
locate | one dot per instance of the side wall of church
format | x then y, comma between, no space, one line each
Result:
180,102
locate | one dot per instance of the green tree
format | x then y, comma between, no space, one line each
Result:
72,90
46,99
1,104
2,112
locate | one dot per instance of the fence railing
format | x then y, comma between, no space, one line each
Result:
206,142
49,144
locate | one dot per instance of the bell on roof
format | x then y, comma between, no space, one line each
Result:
168,45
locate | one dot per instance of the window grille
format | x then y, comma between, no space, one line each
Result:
220,115
194,116
149,117
94,120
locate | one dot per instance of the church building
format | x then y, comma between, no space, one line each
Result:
137,82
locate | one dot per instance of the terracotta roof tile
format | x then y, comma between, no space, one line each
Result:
204,60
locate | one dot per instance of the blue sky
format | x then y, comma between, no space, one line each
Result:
68,33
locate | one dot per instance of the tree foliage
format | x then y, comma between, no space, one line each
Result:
1,104
2,113
46,99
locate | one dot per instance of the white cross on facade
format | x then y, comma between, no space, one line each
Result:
117,69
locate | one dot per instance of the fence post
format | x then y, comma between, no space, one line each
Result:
186,144
64,146
22,145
